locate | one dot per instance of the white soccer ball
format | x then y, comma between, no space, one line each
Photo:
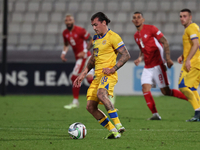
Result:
77,130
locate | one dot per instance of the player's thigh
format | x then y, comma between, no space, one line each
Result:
191,78
79,66
108,83
160,76
92,91
147,76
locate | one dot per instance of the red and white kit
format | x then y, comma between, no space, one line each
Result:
77,39
154,71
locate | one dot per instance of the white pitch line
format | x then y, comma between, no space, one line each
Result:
136,130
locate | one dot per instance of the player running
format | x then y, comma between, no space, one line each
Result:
152,43
81,42
190,71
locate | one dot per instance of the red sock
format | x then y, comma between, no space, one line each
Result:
178,94
75,90
150,102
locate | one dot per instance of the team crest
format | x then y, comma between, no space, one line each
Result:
104,42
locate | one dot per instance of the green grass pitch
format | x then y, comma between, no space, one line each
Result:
41,123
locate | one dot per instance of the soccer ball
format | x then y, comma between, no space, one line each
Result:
77,130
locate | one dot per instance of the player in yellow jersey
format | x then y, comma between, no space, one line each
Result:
190,72
106,46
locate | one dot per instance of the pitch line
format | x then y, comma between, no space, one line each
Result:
135,130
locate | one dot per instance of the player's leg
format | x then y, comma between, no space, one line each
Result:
106,88
188,82
75,91
162,82
147,82
92,103
90,76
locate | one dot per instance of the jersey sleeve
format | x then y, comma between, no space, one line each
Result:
84,34
156,33
192,32
117,42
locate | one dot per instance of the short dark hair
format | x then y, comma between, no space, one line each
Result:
137,12
101,17
186,10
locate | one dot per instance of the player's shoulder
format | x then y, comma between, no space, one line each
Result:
65,31
78,28
112,34
192,27
149,26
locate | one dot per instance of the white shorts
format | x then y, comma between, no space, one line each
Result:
79,66
156,75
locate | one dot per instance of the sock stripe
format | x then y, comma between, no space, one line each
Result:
105,122
113,115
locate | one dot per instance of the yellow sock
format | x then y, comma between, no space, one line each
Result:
114,116
197,96
105,122
190,96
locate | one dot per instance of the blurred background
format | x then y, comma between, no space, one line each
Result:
35,37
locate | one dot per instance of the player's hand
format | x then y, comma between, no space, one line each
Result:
63,57
108,71
137,61
180,59
188,65
81,55
169,63
77,82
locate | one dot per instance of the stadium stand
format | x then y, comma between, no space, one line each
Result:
37,25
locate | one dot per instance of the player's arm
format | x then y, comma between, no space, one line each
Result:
165,43
89,43
64,52
139,59
83,54
125,56
195,46
90,65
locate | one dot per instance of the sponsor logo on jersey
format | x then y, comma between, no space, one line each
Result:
145,36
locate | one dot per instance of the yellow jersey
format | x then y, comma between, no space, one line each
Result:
190,33
105,50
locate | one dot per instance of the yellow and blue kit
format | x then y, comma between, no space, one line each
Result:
105,54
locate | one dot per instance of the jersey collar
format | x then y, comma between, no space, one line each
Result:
103,35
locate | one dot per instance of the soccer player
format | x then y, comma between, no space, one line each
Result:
106,46
190,72
81,42
151,42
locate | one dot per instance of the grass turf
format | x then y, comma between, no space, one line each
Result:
41,122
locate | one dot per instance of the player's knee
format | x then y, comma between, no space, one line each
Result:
90,109
73,78
89,79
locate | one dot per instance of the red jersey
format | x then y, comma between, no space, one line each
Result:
77,39
147,40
